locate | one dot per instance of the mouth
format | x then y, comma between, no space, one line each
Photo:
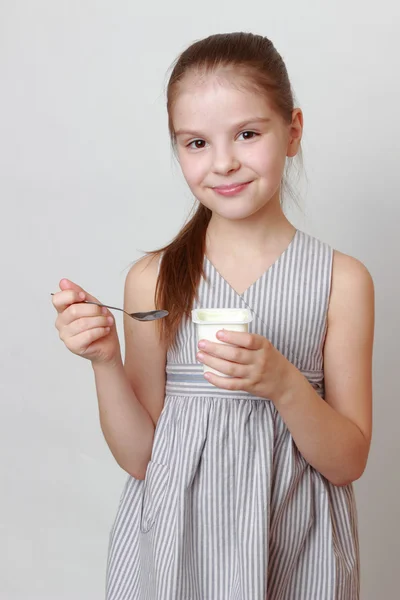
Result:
231,189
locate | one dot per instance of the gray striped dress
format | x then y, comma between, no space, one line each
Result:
229,508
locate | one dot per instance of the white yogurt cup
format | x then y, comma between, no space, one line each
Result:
211,320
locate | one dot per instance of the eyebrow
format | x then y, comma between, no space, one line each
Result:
237,126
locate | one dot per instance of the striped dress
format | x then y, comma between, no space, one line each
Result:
229,508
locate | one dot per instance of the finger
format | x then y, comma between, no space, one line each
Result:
223,366
62,300
232,353
82,310
226,383
87,323
67,284
243,339
80,343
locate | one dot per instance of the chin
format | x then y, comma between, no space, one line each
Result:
235,209
233,213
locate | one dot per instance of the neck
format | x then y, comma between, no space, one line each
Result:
253,235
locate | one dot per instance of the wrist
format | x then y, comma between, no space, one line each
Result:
108,365
287,384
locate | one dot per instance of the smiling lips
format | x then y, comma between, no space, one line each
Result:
232,189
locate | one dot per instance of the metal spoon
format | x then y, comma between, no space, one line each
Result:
150,315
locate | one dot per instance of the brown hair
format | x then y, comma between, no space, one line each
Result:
255,59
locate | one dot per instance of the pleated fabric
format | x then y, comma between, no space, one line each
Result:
229,508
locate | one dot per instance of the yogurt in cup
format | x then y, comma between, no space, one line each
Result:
211,320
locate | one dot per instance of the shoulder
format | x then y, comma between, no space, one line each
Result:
145,269
349,279
352,287
141,280
349,275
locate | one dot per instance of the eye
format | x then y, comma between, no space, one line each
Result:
249,135
197,144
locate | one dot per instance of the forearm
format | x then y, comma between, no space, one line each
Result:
126,425
330,442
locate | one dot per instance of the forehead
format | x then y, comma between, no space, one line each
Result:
208,100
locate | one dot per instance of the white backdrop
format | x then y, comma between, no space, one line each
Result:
87,181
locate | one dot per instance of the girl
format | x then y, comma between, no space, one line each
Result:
240,486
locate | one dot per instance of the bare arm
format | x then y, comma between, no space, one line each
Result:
334,435
131,395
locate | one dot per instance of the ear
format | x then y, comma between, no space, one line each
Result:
295,132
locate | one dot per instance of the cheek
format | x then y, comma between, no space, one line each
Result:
268,160
193,169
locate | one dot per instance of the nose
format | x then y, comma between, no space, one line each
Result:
224,160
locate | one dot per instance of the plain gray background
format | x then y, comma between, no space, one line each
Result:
87,181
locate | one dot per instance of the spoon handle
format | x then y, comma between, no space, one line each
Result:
105,305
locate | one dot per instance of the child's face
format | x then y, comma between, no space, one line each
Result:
220,150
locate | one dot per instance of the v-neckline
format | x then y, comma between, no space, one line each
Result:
263,274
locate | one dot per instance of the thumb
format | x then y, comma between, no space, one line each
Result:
67,284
